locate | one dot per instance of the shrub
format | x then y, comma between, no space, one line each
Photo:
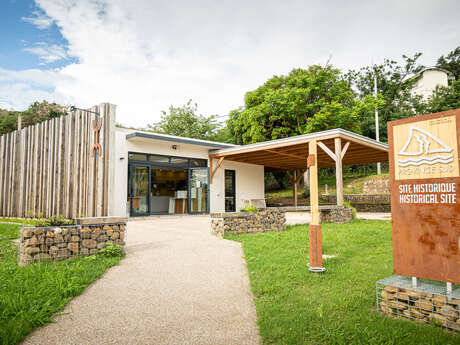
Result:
347,204
306,191
249,208
58,220
111,250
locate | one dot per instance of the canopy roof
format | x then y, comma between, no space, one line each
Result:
291,153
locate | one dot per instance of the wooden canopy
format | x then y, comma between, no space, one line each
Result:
291,153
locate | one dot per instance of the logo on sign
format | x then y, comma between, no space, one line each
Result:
426,149
427,152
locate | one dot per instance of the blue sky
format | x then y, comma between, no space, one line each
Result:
146,55
19,34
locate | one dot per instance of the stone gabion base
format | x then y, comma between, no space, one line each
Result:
422,306
59,243
336,215
247,222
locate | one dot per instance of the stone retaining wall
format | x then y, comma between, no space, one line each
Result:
63,242
247,222
363,202
438,309
335,215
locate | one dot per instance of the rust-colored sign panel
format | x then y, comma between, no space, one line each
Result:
425,196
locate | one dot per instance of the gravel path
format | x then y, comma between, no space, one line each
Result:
177,285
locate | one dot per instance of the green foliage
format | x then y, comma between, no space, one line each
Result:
37,112
31,295
347,204
185,122
451,62
296,307
306,191
394,85
249,208
58,220
302,102
111,250
444,98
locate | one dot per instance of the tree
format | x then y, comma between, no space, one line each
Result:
451,62
183,121
37,112
304,101
444,98
394,85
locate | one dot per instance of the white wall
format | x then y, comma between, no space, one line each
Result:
249,181
428,82
249,178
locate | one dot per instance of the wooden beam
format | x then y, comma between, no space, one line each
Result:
285,154
327,150
294,187
338,171
312,149
213,171
344,150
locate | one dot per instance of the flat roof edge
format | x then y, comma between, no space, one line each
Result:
182,140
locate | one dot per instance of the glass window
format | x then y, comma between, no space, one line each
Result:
198,163
159,159
179,161
138,156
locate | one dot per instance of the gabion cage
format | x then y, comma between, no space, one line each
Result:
428,302
63,242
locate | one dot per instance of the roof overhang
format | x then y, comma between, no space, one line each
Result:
291,153
141,136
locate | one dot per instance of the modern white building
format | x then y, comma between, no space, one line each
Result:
170,175
428,79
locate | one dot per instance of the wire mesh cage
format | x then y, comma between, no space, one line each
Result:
427,303
63,242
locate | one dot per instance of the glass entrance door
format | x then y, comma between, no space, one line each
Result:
198,190
140,190
230,193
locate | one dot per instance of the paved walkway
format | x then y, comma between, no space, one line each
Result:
177,285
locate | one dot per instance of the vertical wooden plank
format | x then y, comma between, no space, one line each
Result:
79,164
38,171
100,166
106,155
2,167
7,194
294,187
91,167
22,175
71,174
64,144
338,171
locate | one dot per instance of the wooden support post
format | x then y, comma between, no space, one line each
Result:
315,240
338,171
213,171
294,187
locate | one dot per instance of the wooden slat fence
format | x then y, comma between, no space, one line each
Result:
49,169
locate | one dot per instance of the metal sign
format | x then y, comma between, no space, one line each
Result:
425,195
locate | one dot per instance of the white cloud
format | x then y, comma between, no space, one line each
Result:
39,19
144,55
47,53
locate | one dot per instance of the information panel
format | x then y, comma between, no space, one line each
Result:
425,184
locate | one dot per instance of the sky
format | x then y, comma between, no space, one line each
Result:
146,55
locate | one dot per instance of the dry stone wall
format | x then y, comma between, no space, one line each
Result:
336,215
247,222
63,242
363,202
438,309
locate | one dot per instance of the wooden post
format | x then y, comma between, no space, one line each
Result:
294,187
315,240
338,171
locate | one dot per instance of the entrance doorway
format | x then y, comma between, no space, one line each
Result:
167,185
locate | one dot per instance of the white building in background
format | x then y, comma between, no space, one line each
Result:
428,79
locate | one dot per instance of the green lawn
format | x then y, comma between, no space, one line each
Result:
30,295
338,307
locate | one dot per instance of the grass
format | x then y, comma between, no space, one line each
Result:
30,295
338,307
24,221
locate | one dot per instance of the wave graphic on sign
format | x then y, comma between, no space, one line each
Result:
424,139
